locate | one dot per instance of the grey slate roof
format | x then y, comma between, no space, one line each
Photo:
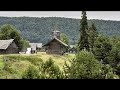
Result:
5,43
61,42
58,41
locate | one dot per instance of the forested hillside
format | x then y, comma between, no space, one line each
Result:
40,29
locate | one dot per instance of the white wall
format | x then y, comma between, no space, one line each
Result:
28,51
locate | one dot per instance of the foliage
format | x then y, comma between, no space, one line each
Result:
9,32
83,41
92,35
47,70
102,48
108,72
25,43
103,62
63,38
17,64
50,70
31,73
85,66
37,29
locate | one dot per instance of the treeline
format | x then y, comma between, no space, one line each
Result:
40,29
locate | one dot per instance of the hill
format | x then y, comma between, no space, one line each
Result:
37,29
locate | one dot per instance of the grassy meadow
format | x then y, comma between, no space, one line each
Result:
16,64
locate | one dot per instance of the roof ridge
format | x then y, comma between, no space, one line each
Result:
61,41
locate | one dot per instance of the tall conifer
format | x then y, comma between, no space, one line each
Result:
83,41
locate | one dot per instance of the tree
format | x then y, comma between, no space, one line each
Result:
25,43
50,70
83,41
85,66
92,36
9,32
114,57
63,38
102,48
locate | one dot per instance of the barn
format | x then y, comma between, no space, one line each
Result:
56,46
8,47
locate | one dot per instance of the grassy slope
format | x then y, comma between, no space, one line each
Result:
1,61
19,62
59,60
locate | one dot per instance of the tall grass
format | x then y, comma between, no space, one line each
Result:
33,59
16,64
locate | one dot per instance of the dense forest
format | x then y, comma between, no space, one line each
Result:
40,29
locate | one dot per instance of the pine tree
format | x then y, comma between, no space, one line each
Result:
92,35
83,41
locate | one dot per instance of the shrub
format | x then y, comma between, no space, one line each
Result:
50,70
31,73
85,66
108,72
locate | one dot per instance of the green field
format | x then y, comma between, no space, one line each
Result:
1,61
18,63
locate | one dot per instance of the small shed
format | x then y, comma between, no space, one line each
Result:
8,46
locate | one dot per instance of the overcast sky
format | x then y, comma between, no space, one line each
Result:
105,15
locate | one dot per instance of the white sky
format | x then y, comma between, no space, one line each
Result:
105,15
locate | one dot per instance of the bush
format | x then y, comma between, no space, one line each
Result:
108,72
50,70
31,73
85,66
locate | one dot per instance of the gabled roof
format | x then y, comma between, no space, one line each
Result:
58,41
5,43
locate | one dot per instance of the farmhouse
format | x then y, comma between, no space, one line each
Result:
8,46
56,46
